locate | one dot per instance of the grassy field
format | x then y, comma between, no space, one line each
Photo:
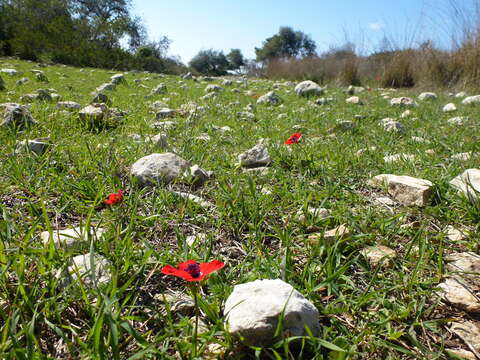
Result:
370,312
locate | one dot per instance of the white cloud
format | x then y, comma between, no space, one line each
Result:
376,25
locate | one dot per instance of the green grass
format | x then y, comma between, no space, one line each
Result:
370,313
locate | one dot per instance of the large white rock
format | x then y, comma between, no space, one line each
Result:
118,79
213,88
403,101
427,96
68,105
71,237
253,311
407,190
11,72
471,100
468,182
37,146
307,88
91,269
16,115
449,107
153,168
254,157
270,98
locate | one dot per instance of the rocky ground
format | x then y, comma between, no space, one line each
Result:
346,218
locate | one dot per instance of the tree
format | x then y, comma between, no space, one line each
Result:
210,62
235,58
287,43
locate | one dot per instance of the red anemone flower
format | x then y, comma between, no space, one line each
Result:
114,198
191,270
293,139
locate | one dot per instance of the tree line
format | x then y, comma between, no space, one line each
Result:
96,33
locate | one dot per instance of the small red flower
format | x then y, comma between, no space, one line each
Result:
114,198
191,270
293,139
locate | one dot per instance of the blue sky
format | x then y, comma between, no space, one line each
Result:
193,25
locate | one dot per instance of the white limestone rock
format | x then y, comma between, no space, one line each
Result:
468,183
253,311
71,237
255,157
155,168
471,100
407,190
308,88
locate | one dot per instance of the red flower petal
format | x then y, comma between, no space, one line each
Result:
293,139
185,272
208,268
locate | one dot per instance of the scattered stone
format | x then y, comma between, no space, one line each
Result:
420,140
180,303
458,120
471,100
22,81
308,88
94,113
160,140
462,156
454,234
213,88
464,264
462,354
312,212
255,157
338,232
118,79
165,167
101,98
37,146
354,90
393,126
187,76
68,105
192,239
406,114
11,72
427,96
254,309
270,98
41,77
160,89
70,238
469,332
399,157
456,292
460,94
449,107
195,199
227,82
105,87
403,101
323,101
165,113
408,191
164,125
354,100
16,115
345,125
468,183
379,255
157,105
384,201
91,269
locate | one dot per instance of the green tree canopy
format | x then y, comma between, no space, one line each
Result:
210,62
286,43
236,59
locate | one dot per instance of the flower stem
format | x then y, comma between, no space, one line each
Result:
197,315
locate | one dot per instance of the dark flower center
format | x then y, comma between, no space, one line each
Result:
193,270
